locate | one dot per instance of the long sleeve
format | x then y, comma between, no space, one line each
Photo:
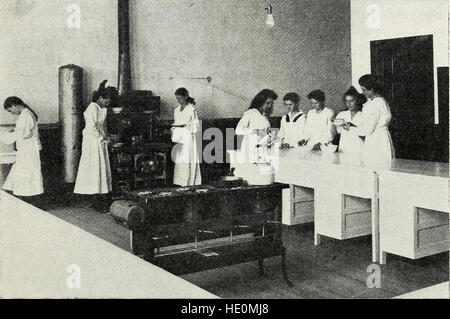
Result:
341,115
308,127
329,135
92,125
24,129
243,127
193,123
282,131
369,121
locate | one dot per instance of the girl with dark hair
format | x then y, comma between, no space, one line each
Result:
350,143
376,117
185,153
292,125
254,124
318,130
94,172
25,177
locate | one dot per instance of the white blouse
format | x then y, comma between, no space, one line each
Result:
292,128
350,142
319,126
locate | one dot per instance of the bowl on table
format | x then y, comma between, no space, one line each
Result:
328,148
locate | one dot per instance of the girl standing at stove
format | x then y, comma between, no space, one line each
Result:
185,153
94,173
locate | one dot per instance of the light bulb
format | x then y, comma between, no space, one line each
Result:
270,22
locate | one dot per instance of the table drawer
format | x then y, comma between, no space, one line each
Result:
351,203
303,212
427,218
356,220
432,235
302,194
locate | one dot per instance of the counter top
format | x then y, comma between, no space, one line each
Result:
43,257
439,291
434,169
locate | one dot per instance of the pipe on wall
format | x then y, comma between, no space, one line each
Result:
124,76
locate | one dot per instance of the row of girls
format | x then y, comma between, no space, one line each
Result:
363,132
94,172
363,127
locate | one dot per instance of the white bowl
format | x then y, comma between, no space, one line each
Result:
328,149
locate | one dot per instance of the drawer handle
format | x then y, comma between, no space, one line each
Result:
241,226
160,238
206,231
273,222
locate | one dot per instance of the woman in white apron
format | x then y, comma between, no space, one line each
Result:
376,117
25,177
319,129
254,124
350,142
185,153
292,124
94,172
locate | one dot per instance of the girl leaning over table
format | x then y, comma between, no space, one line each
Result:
254,125
350,142
25,178
292,125
319,130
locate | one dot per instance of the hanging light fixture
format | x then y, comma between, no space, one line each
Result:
270,22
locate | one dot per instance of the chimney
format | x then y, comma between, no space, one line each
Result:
124,76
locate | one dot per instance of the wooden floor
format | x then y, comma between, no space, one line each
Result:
336,269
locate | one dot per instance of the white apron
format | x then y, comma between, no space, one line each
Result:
251,120
378,147
185,153
25,177
318,126
350,142
292,128
94,172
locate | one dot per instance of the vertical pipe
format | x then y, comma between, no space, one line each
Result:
124,76
70,115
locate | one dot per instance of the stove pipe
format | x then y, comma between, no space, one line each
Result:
124,76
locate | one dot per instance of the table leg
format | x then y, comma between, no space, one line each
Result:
375,222
317,239
283,268
383,257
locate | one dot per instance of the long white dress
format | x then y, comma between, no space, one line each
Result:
292,128
94,172
185,153
350,142
318,126
250,121
25,177
378,148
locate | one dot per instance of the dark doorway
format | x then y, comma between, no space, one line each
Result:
405,66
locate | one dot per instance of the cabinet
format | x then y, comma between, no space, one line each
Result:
298,205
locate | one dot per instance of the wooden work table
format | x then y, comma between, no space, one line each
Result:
190,229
